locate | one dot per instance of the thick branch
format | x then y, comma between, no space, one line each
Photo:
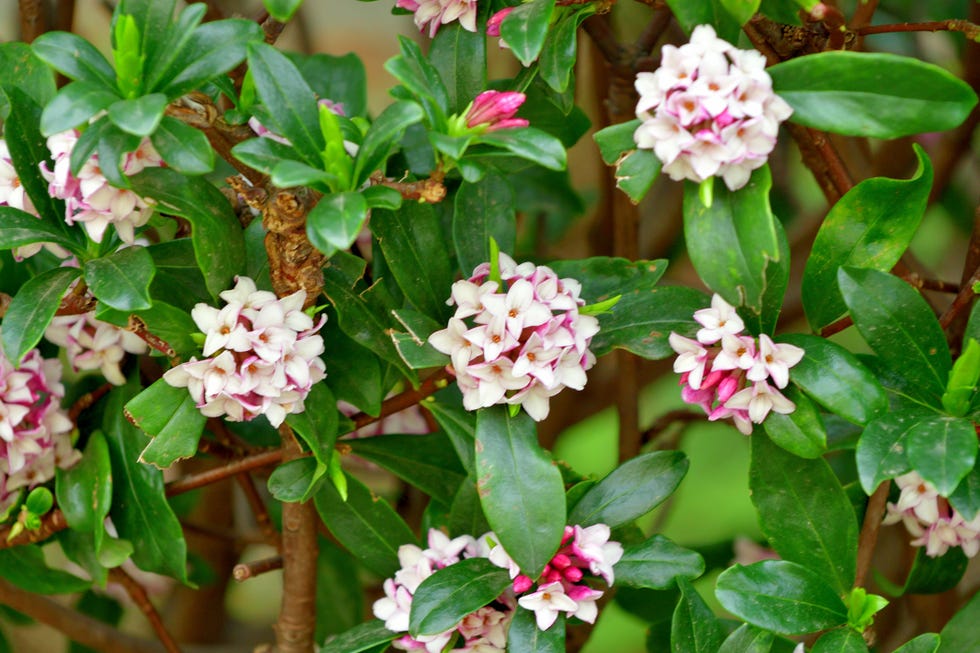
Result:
51,523
32,23
142,601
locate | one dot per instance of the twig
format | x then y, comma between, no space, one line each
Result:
961,301
401,401
87,400
971,30
430,191
195,481
246,570
51,523
142,601
663,422
869,531
78,627
272,28
262,518
936,285
137,327
863,14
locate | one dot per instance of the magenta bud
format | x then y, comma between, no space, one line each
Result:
493,24
522,584
560,561
573,574
492,107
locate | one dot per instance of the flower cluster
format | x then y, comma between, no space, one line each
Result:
13,194
727,373
560,588
92,344
518,341
493,110
263,356
34,430
441,12
709,110
89,197
928,516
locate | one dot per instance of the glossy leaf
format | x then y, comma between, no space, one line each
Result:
836,379
84,491
747,639
122,279
943,450
870,227
529,143
840,641
24,567
294,480
557,60
780,596
170,415
631,490
925,643
459,425
802,432
359,639
871,94
74,105
712,12
933,575
75,57
483,210
882,451
465,512
635,173
335,221
615,140
264,154
427,462
140,116
282,10
460,56
960,634
21,68
966,497
384,132
212,50
19,228
693,628
184,148
521,489
525,636
340,78
901,328
804,512
365,525
355,373
450,594
525,28
168,323
733,242
31,310
316,426
657,563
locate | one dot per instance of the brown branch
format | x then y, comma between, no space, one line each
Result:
137,327
80,628
32,23
142,601
662,423
297,614
430,191
272,28
869,531
87,400
401,401
961,301
971,30
836,327
64,17
262,518
863,14
936,285
195,481
51,523
246,570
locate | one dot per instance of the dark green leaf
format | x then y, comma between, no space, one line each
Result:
926,643
840,641
459,425
74,105
615,140
365,524
31,310
943,450
340,79
418,355
466,514
870,227
317,424
426,461
21,68
295,480
139,116
450,594
340,599
525,28
717,13
114,145
184,148
382,137
747,639
171,417
168,323
931,575
382,197
694,629
557,60
901,328
631,490
636,171
871,94
966,497
355,372
19,228
422,81
733,242
213,49
85,490
75,57
837,379
960,634
336,220
460,56
122,279
657,563
525,636
804,512
802,432
882,450
219,245
483,210
289,173
360,639
529,143
24,567
780,596
521,489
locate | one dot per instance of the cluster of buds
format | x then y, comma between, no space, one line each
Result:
34,430
89,197
561,588
709,110
727,374
518,340
493,110
262,356
92,344
433,13
930,518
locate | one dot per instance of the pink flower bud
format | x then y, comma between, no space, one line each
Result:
493,25
496,110
522,584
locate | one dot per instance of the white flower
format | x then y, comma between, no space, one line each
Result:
717,321
546,603
758,400
774,360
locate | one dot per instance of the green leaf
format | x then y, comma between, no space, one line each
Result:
528,143
733,242
881,451
21,68
168,323
943,450
340,598
335,221
960,634
804,512
712,12
365,524
557,59
74,105
219,244
85,490
693,628
521,489
114,144
140,511
459,425
871,94
931,575
76,58
870,227
24,567
213,49
657,563
263,154
282,10
483,210
966,497
289,173
360,639
925,643
172,418
421,79
355,372
460,56
31,310
292,106
525,636
525,28
840,641
802,432
382,197
122,279
962,384
780,596
342,79
636,171
836,379
631,490
450,594
383,136
465,512
19,228
901,328
747,639
295,480
616,140
140,116
184,148
427,462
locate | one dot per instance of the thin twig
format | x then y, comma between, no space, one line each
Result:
669,418
971,30
431,190
142,601
246,570
961,301
863,14
87,400
51,523
401,401
247,464
869,531
262,519
936,285
836,327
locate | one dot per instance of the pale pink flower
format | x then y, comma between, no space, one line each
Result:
774,360
547,603
433,13
94,345
758,400
930,519
717,321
